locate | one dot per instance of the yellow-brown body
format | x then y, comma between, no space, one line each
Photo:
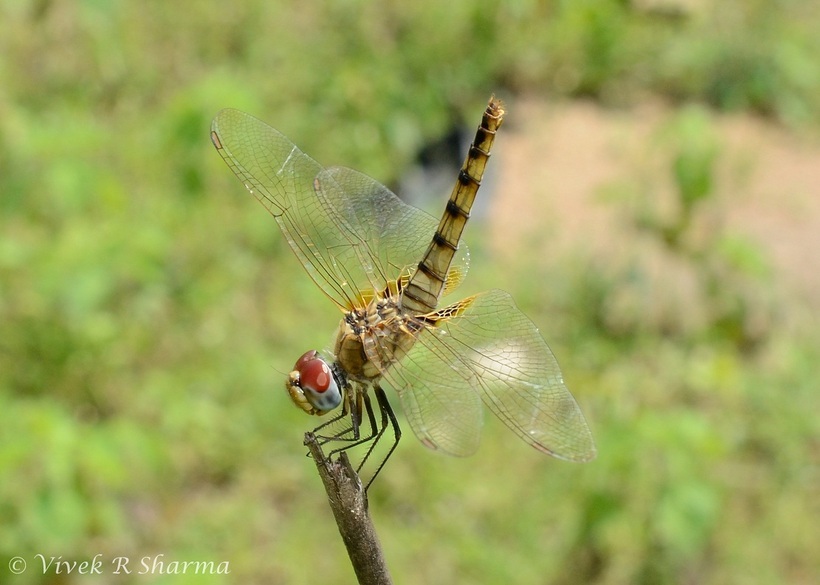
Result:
369,340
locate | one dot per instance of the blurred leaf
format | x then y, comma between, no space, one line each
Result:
686,516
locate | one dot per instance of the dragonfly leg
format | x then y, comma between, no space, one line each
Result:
387,413
378,430
359,409
362,403
351,413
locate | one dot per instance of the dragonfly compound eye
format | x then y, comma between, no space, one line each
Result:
312,385
306,357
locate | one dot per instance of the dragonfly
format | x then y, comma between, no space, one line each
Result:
386,265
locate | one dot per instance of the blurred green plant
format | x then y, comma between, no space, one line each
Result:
713,282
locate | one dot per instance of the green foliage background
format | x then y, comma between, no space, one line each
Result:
146,302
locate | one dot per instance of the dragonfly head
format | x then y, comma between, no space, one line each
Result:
312,385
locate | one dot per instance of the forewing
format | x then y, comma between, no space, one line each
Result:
282,177
486,347
339,223
393,235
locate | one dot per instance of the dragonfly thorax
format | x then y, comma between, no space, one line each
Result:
369,340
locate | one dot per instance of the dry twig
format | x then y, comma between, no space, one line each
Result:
348,501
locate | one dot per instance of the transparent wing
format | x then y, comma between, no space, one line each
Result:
443,408
484,349
392,235
351,234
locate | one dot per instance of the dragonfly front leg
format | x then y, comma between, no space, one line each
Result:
362,405
351,415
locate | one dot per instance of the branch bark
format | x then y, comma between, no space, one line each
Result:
348,501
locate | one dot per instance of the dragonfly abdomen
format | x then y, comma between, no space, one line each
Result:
424,289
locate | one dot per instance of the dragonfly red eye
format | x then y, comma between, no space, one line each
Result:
312,383
315,374
306,357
